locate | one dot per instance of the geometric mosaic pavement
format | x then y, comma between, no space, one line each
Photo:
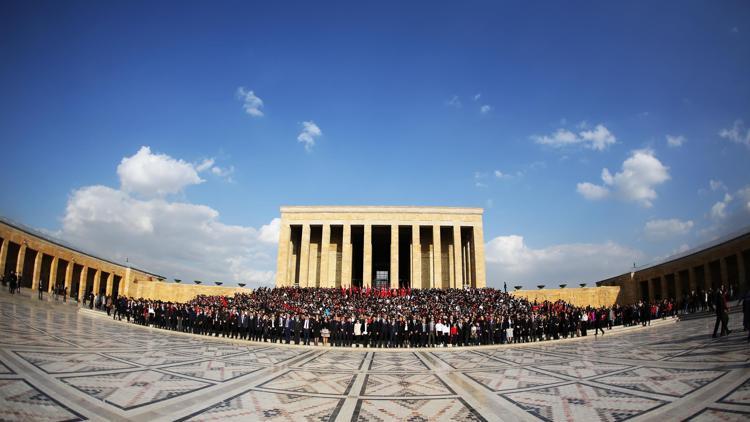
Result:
57,363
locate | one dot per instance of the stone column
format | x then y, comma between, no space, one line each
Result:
20,261
664,287
68,277
82,283
346,258
304,257
52,274
437,259
394,256
367,256
97,281
458,262
677,287
282,260
325,249
741,273
110,282
416,257
3,256
35,278
479,278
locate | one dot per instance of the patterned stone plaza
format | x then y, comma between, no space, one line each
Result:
59,364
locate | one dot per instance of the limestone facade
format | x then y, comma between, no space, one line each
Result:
724,262
381,246
41,260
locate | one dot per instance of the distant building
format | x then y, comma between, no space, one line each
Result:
381,246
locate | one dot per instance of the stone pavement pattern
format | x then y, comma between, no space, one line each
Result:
58,364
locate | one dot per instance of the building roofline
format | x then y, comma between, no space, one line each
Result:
57,242
381,208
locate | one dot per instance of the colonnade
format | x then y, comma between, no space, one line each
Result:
37,260
342,254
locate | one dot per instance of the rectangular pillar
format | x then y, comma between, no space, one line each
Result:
437,258
367,257
304,257
20,262
69,276
346,259
110,282
664,287
325,249
52,274
479,278
97,282
3,256
394,256
36,276
470,276
416,258
282,260
82,283
458,258
723,274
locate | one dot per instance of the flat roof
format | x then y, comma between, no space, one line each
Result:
380,209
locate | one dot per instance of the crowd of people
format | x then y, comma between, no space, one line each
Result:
357,317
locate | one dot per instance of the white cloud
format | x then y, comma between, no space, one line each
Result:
675,141
270,232
478,179
250,102
205,165
668,228
453,102
310,132
500,175
510,260
485,109
719,210
175,239
155,175
717,185
597,139
591,191
477,96
737,133
223,172
640,174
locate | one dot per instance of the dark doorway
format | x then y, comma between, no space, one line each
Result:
381,256
27,272
76,281
644,291
103,283
714,269
358,253
11,260
45,272
671,286
404,257
116,287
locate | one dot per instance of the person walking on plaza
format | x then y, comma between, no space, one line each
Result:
722,312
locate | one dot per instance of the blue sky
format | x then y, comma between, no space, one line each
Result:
516,108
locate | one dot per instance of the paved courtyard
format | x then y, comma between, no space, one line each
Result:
58,364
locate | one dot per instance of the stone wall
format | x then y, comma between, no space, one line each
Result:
174,292
585,296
